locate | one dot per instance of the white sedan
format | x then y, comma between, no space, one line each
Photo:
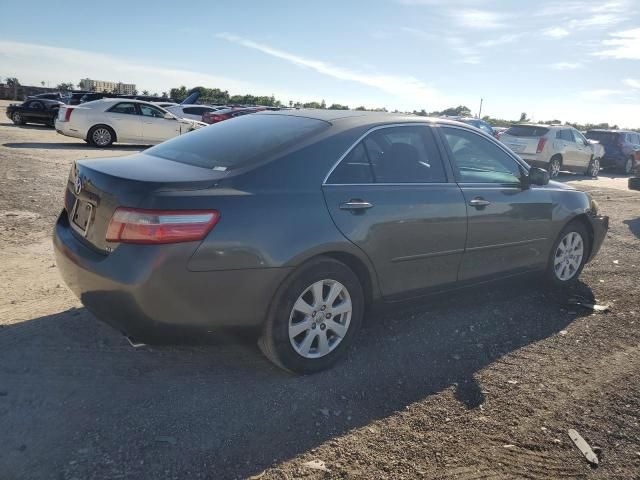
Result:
194,112
102,122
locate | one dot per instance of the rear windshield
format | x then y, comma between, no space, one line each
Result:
526,131
602,137
239,141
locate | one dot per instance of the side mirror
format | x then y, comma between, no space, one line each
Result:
538,176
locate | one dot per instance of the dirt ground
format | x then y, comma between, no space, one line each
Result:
485,386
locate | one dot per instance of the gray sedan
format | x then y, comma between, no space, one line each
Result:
295,222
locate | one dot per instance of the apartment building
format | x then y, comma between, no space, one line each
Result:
102,86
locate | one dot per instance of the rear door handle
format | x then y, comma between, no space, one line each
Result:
479,202
356,205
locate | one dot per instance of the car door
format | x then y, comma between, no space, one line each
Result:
126,121
583,152
156,128
394,197
564,144
509,223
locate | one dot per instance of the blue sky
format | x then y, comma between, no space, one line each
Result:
573,60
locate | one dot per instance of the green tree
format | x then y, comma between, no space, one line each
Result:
523,117
361,108
63,87
145,92
43,83
337,106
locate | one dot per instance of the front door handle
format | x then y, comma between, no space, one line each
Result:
479,202
356,205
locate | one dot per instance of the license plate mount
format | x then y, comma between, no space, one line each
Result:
81,215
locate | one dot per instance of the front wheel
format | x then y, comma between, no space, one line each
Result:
568,255
316,315
554,167
17,118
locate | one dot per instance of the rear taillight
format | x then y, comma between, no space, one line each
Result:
541,143
67,114
131,225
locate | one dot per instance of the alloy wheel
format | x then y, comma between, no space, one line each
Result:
101,137
568,256
17,118
595,167
554,168
628,166
320,318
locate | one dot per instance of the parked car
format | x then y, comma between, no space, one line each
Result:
227,113
74,98
621,149
46,96
553,147
40,111
294,222
103,122
476,122
194,112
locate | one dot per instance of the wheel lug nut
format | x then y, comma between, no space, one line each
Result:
324,307
313,314
328,315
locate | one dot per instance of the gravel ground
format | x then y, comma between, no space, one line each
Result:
483,387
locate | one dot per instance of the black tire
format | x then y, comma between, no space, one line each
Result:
551,167
17,118
634,183
97,142
627,167
593,168
274,341
552,277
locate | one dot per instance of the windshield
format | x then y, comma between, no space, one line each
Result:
239,141
526,131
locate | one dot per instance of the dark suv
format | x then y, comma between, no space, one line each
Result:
621,149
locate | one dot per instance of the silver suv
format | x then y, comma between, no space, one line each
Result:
554,147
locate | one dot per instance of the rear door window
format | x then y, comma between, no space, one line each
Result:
238,142
404,155
124,107
354,169
565,135
150,111
479,160
603,137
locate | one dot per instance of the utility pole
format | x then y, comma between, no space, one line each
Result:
480,111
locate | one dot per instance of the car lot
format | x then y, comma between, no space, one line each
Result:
484,386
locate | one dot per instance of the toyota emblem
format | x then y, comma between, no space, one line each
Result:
78,185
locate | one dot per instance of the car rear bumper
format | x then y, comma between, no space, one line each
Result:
64,128
600,226
612,160
141,290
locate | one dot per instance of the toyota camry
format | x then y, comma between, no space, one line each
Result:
295,222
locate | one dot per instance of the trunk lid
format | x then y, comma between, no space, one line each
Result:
523,138
95,188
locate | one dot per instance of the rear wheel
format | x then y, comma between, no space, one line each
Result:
101,136
315,317
627,167
568,255
594,168
554,166
17,118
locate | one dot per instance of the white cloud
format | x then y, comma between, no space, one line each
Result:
631,82
407,87
566,65
623,45
478,19
599,20
555,32
599,94
501,40
33,63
